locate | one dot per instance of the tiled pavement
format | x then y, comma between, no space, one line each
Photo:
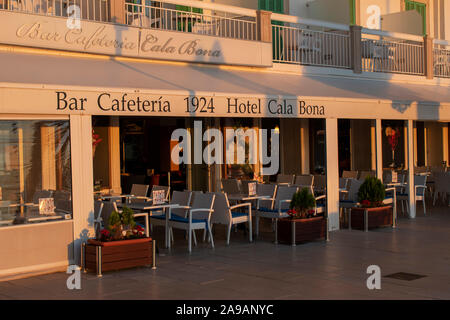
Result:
262,270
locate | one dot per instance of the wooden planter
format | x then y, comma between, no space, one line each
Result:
368,218
293,231
115,255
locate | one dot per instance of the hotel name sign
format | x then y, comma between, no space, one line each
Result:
123,103
119,40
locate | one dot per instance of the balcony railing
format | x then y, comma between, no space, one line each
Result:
295,40
212,23
441,59
392,55
95,10
301,45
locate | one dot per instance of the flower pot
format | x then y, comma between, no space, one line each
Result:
376,217
293,231
114,255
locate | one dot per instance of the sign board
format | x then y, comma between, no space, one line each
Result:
158,196
394,176
252,188
46,206
119,40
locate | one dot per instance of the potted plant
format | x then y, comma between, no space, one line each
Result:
371,211
122,244
303,224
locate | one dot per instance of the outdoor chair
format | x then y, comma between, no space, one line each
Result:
350,198
198,217
98,207
265,190
441,186
231,215
304,180
420,185
320,183
285,179
105,212
231,186
364,174
244,185
181,198
275,209
350,174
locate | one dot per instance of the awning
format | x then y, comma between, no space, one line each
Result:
92,73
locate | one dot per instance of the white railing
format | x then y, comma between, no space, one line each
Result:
297,45
96,10
441,58
210,22
392,52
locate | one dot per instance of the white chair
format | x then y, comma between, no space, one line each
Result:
320,183
364,174
350,174
231,186
275,209
441,186
287,179
198,217
420,186
227,215
98,221
181,198
304,180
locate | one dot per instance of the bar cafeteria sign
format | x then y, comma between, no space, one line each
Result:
119,40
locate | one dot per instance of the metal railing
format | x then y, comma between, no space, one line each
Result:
297,45
96,10
441,59
212,22
393,55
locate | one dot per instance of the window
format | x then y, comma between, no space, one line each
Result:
271,5
421,8
35,171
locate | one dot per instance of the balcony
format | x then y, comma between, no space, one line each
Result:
295,40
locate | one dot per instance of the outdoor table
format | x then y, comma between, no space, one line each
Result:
149,208
245,197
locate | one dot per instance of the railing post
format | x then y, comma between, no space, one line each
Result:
117,11
263,26
355,48
428,57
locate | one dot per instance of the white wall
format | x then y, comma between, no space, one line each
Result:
250,4
385,7
327,10
446,8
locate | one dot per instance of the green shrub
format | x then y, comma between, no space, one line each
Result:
302,200
372,190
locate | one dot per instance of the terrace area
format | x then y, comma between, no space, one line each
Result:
295,40
262,270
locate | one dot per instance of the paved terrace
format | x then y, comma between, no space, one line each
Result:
262,270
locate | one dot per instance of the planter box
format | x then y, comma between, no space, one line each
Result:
376,217
293,231
115,255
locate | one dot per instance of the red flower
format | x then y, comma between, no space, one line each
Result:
365,203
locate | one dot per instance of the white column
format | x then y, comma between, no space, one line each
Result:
410,161
304,136
445,142
379,149
332,173
114,155
82,180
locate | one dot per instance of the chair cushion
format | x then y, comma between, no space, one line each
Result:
186,220
347,201
159,216
238,214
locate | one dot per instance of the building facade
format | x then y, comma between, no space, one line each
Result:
92,91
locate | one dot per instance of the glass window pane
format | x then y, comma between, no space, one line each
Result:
35,171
